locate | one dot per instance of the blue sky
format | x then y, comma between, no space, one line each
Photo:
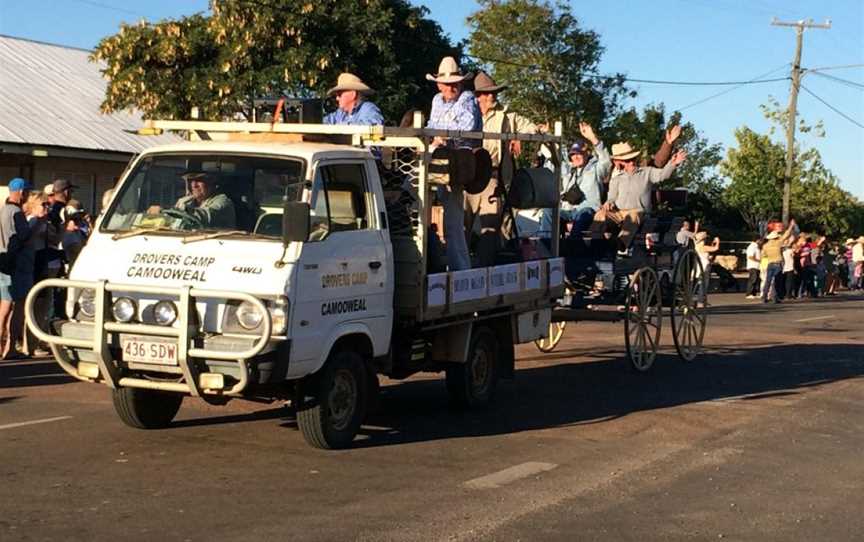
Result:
681,40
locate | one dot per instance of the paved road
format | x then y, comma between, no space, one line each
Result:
758,439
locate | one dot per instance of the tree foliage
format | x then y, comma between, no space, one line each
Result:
755,171
540,51
254,48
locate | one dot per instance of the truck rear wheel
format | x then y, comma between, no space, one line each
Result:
146,409
472,384
332,405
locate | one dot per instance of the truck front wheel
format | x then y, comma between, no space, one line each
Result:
332,405
146,409
472,384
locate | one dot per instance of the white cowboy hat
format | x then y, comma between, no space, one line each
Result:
623,151
772,235
349,81
849,241
448,72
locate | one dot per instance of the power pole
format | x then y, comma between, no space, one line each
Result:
793,103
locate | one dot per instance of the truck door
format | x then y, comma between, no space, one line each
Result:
344,271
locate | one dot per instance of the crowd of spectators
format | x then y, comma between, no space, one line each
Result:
41,234
807,267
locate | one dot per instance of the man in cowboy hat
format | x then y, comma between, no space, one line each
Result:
454,108
586,177
204,202
772,253
629,198
353,108
487,204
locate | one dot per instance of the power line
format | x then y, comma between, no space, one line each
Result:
633,79
109,7
846,82
843,67
728,90
832,108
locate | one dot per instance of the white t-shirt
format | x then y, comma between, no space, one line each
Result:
788,259
858,253
753,253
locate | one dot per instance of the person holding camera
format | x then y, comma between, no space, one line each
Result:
583,188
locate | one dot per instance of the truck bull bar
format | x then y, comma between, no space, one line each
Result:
184,298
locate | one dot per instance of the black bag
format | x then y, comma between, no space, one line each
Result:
574,195
7,263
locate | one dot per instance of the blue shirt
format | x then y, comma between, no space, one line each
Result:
590,180
364,113
462,114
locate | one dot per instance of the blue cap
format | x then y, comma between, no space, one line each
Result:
577,148
18,184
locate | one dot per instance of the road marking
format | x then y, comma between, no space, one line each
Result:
508,475
33,422
816,318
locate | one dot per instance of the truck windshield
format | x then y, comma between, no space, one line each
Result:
207,193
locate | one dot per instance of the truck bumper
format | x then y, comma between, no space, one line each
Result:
210,364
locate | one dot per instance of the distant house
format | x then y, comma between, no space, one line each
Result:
50,123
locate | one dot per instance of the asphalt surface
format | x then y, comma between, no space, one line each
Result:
760,438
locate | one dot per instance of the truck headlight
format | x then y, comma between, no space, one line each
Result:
124,309
165,313
87,302
249,316
279,314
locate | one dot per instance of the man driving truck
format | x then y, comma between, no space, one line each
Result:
208,206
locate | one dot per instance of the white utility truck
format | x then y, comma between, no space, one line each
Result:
301,277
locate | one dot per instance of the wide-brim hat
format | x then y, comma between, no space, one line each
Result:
773,235
349,81
623,151
197,173
484,83
448,72
849,241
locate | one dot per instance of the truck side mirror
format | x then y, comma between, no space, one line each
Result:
295,222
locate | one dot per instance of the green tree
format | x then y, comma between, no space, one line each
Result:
546,58
755,171
254,48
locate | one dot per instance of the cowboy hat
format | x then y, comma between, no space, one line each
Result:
849,241
773,235
623,151
484,83
349,81
448,72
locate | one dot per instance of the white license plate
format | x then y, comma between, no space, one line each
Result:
143,350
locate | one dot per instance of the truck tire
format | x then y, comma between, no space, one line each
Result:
331,406
473,383
146,409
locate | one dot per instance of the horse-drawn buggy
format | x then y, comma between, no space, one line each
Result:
660,276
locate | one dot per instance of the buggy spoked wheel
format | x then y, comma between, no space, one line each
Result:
642,319
548,344
688,318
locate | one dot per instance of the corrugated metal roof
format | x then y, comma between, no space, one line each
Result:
50,95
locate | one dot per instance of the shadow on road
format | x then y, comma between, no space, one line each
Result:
41,372
591,392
